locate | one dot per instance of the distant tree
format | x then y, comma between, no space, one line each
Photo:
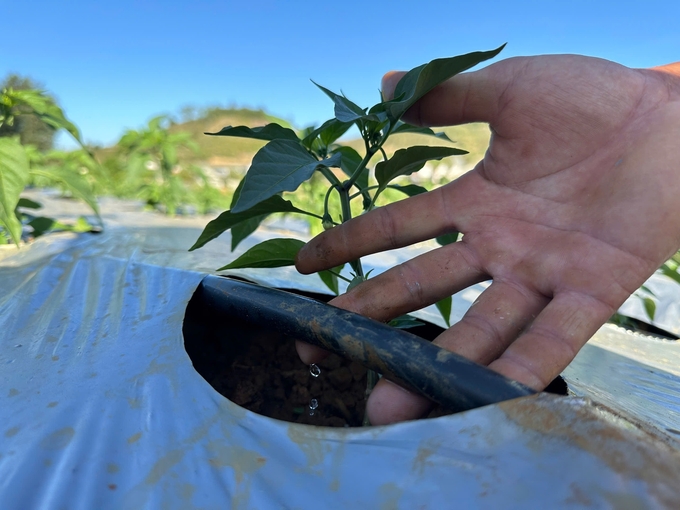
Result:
32,130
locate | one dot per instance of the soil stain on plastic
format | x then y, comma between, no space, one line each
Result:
58,439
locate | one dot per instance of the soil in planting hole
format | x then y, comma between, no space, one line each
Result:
261,371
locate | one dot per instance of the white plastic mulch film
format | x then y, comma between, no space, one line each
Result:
100,407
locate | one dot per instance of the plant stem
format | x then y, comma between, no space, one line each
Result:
343,191
370,151
339,276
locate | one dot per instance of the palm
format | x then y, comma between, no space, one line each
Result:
572,208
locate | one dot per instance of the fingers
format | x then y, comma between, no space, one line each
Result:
491,324
467,97
413,285
554,338
390,403
396,225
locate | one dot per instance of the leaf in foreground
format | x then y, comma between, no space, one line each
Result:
73,182
402,127
346,110
330,279
419,81
229,219
13,179
271,253
444,307
271,131
412,159
405,322
281,165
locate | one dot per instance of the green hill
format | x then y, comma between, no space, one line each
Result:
218,151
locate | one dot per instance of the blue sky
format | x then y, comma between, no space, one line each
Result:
114,65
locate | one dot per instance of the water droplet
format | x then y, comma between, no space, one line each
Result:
313,405
314,370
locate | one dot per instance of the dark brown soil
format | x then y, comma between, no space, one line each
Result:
268,378
262,372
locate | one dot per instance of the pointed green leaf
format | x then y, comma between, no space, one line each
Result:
271,131
349,162
13,179
444,307
405,322
74,182
43,106
28,203
410,189
419,81
41,225
412,159
650,307
281,165
671,273
242,230
449,238
327,133
402,127
229,219
330,279
346,110
271,253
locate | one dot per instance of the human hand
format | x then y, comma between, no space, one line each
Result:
575,204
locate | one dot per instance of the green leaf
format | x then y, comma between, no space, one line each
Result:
229,219
28,203
281,165
346,110
445,239
13,179
271,131
327,133
650,307
330,279
673,274
74,182
646,289
45,108
402,127
410,189
419,81
405,322
444,307
271,253
349,162
41,225
412,159
242,230
356,280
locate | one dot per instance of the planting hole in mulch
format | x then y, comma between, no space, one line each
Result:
261,371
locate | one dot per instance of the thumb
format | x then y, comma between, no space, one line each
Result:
466,97
389,84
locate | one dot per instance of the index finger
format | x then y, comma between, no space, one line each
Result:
393,226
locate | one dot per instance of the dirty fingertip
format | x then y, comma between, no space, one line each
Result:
390,403
310,353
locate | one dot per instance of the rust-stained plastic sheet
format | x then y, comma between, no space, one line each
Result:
100,407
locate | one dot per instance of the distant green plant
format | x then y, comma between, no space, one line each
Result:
152,168
288,160
22,164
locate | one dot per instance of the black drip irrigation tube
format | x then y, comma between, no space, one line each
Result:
454,382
